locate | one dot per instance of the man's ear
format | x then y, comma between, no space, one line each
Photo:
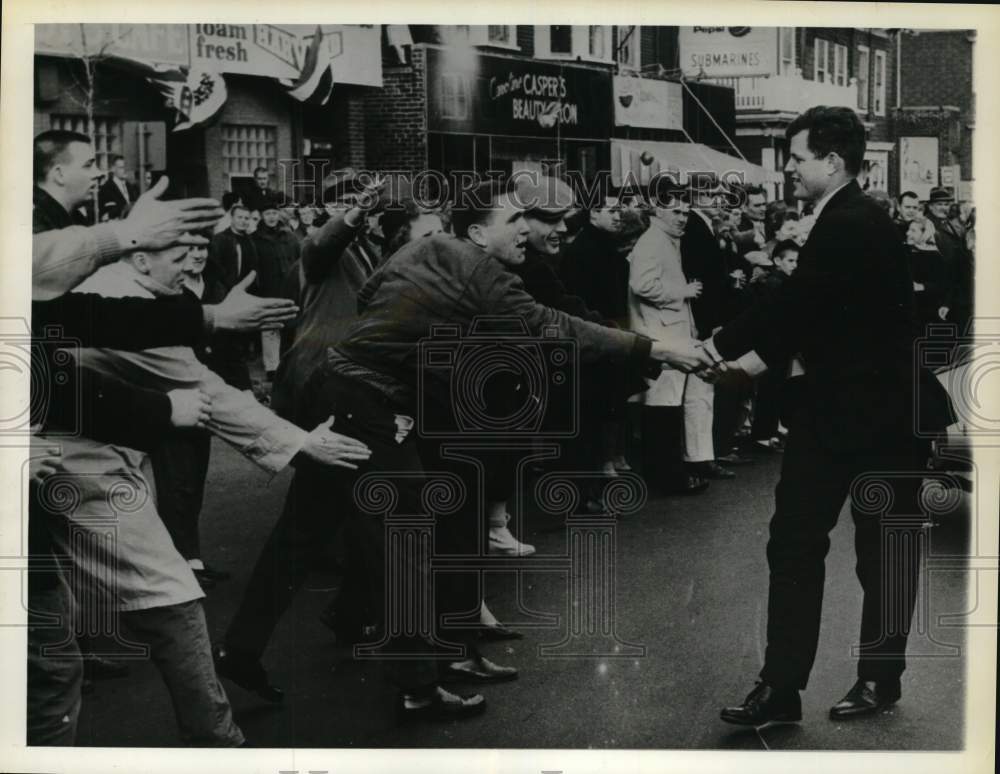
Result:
56,174
141,262
476,235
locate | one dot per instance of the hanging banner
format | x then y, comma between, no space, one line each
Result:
195,95
278,51
728,51
648,103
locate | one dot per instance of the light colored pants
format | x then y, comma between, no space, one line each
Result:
270,349
177,636
699,413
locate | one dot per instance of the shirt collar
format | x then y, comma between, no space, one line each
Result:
818,208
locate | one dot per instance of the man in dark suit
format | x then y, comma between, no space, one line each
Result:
703,260
117,194
854,432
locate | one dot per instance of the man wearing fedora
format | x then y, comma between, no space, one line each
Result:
950,242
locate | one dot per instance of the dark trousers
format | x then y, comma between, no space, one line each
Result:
888,544
663,446
729,414
767,405
180,466
319,500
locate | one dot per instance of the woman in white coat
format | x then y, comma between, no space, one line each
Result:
660,307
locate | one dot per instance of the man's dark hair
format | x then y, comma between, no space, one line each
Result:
832,130
908,195
475,206
784,246
754,190
115,159
50,149
260,169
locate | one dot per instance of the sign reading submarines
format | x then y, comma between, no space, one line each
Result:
728,51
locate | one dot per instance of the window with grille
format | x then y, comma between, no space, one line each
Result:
106,136
246,147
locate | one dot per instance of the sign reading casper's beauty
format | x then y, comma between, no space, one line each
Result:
495,95
728,51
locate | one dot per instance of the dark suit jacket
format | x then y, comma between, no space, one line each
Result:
849,310
232,256
595,269
702,259
111,201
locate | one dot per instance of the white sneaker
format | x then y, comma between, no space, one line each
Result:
502,542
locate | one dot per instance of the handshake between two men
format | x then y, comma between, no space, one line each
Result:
693,357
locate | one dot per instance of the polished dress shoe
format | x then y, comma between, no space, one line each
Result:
689,485
764,705
734,458
478,670
247,672
440,705
714,470
497,632
866,697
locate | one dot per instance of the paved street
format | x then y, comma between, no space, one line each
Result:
691,589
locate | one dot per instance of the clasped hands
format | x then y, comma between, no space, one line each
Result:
692,357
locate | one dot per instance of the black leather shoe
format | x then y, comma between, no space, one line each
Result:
440,705
247,673
690,485
714,470
497,632
765,704
866,697
481,670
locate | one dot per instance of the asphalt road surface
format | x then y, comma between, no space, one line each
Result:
689,617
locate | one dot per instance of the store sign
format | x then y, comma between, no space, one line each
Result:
728,51
153,43
647,103
918,165
249,49
495,95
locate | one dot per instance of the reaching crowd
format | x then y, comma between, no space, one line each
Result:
292,332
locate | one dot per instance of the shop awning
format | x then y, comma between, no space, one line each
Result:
645,159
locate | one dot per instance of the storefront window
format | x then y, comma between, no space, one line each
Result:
106,135
246,147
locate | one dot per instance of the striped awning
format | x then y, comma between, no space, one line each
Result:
645,159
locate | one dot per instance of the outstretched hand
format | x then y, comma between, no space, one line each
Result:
153,224
241,311
329,448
